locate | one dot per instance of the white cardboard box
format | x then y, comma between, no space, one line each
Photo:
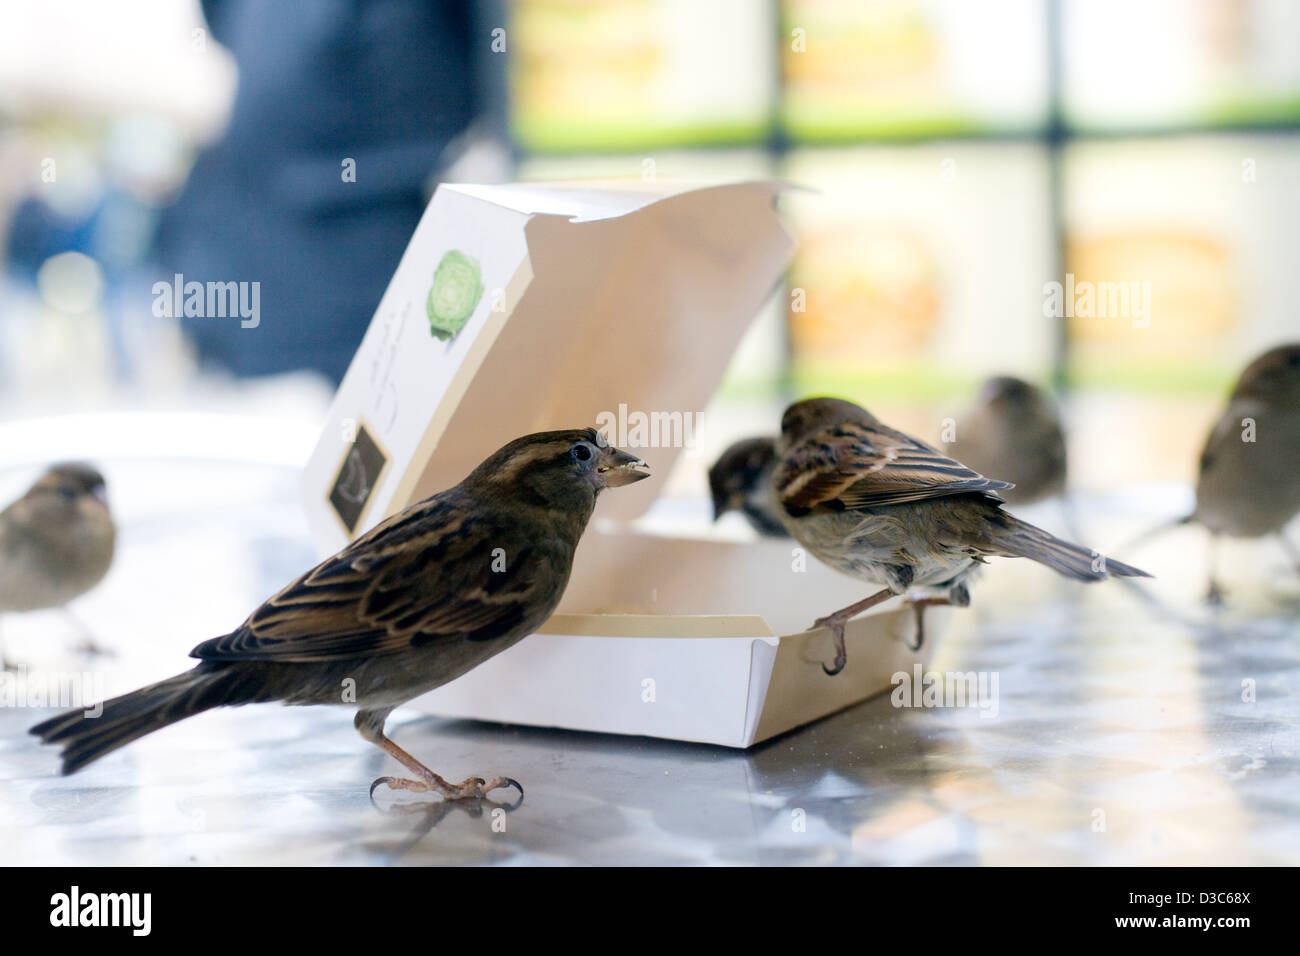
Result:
528,307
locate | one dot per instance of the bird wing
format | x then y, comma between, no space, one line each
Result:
438,572
858,465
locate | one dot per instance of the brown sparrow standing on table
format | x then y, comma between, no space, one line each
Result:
1249,480
425,596
741,480
56,541
1014,433
883,507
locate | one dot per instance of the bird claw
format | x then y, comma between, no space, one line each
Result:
397,783
482,788
837,631
475,788
512,782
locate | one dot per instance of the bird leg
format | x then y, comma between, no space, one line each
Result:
5,663
88,646
918,608
1213,592
473,788
836,623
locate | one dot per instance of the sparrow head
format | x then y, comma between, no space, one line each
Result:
1005,393
813,414
1273,377
738,472
559,469
66,495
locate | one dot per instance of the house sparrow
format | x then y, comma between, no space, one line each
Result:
425,596
741,480
1248,484
885,508
56,541
1014,432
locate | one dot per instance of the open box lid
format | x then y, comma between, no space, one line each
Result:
527,307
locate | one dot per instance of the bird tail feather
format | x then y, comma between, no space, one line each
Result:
1016,538
86,738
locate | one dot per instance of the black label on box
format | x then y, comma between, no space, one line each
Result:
357,478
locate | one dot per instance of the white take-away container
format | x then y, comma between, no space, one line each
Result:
528,307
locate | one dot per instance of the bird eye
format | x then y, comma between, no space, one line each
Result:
67,492
582,451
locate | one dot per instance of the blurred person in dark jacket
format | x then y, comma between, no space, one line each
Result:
344,110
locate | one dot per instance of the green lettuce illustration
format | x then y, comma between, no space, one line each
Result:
456,290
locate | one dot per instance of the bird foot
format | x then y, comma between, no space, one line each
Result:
836,623
837,631
918,608
475,788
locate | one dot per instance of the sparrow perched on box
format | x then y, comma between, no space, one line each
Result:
741,480
885,508
1014,433
425,596
56,541
1249,479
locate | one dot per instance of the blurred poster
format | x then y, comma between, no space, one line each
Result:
1165,63
920,267
593,75
912,67
1200,226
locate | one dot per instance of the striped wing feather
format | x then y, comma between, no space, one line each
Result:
421,576
857,465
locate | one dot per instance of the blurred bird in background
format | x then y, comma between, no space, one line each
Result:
425,596
1013,432
1248,483
741,480
56,541
885,508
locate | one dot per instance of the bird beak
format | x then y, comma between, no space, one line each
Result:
619,468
